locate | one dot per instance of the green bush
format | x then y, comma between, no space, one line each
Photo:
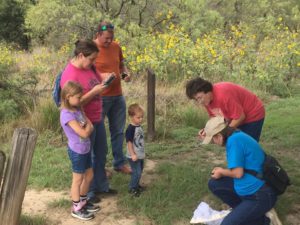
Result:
17,87
47,116
8,109
267,63
193,116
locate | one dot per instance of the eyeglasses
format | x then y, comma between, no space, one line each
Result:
106,27
199,99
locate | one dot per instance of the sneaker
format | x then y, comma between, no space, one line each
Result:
272,215
141,188
124,169
135,192
82,214
94,200
109,192
90,207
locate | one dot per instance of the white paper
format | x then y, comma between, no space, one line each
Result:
206,215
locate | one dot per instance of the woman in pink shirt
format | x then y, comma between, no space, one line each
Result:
240,107
80,69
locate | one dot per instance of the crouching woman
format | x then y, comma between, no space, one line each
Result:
249,197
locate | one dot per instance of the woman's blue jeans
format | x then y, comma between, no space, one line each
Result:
246,210
99,152
253,129
114,107
137,169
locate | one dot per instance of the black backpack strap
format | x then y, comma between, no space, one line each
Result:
254,173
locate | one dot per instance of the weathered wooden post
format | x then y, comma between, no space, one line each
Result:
16,175
2,164
150,105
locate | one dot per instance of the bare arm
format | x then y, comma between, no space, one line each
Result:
82,131
237,122
124,69
96,90
131,151
219,172
89,123
201,134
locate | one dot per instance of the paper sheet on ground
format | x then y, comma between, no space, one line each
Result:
206,215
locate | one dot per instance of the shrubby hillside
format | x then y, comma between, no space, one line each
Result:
254,43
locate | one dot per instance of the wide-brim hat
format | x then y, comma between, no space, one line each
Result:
213,126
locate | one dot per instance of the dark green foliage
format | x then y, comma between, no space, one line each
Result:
14,102
16,89
49,116
8,109
12,30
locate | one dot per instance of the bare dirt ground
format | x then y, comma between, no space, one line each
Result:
36,203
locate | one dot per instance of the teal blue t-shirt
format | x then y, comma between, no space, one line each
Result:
243,151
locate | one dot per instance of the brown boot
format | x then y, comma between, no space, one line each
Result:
124,169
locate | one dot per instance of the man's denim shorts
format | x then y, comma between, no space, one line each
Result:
80,162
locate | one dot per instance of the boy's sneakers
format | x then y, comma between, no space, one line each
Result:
110,192
82,214
94,200
141,188
135,192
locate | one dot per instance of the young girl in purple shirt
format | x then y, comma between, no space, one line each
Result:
78,128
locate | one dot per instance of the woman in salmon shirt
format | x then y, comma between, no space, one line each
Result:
241,108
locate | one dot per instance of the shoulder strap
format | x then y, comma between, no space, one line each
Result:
254,173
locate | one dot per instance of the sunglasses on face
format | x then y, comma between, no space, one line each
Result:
106,27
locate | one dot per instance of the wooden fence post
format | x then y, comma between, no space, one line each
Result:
2,164
16,175
150,105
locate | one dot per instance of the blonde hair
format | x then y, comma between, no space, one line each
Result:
133,109
70,88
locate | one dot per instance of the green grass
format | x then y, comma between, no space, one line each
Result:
51,166
179,141
60,203
183,177
281,138
172,197
182,172
33,220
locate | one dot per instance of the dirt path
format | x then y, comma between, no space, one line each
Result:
36,203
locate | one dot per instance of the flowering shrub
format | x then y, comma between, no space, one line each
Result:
15,86
269,64
8,107
6,57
